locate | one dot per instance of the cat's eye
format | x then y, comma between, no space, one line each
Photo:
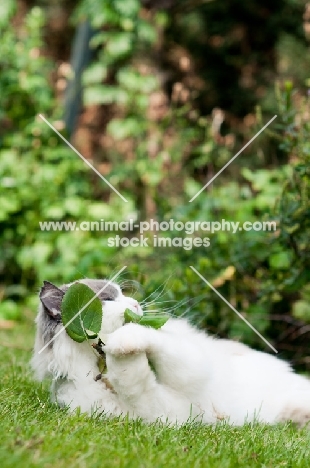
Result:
108,299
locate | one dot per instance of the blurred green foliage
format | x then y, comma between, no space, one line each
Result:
162,146
41,178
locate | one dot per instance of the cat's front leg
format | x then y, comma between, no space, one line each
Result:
136,386
129,351
130,376
130,339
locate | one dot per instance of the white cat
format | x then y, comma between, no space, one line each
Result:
174,374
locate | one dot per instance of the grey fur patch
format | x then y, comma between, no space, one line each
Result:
110,293
47,325
51,298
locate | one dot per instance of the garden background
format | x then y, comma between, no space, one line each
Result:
158,95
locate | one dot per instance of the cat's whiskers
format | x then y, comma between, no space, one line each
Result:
151,310
163,309
194,303
179,305
168,310
161,294
148,304
163,286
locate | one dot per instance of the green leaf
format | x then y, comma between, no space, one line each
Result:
87,324
129,8
150,320
154,320
119,44
130,79
100,94
146,32
131,316
301,310
94,74
90,334
125,128
280,260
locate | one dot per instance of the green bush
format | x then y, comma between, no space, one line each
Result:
163,158
161,149
41,178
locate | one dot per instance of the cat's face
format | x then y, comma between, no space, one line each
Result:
114,303
49,322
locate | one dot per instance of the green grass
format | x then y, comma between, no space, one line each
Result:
35,433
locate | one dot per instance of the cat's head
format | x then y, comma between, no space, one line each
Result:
63,356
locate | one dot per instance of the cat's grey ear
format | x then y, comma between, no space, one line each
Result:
51,298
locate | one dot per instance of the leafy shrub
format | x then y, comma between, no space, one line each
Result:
163,157
41,178
161,151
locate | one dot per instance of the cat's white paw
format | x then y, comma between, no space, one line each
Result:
129,339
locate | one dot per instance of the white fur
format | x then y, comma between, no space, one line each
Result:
196,376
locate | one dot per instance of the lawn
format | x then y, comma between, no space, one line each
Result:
36,433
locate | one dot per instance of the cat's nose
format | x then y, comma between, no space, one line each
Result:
136,306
